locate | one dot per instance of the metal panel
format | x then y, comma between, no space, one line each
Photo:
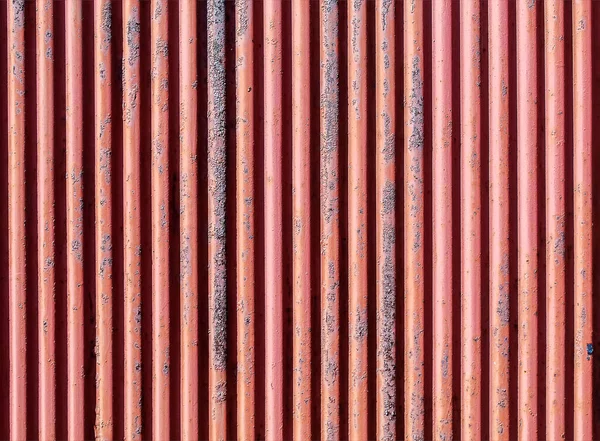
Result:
299,219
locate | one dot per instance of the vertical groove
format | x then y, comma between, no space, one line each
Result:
273,184
443,228
357,220
188,78
16,211
217,197
246,226
500,270
582,186
471,214
46,218
161,361
555,219
132,220
75,208
386,231
527,193
330,220
104,223
302,222
5,300
414,199
261,174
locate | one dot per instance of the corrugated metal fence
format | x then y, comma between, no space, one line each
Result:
291,219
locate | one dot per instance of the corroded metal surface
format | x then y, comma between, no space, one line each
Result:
306,219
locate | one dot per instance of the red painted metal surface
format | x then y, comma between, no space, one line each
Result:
299,219
501,215
445,230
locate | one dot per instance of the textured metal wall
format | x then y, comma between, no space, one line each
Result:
292,219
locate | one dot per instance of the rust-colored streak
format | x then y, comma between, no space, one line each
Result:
386,226
246,205
555,219
499,228
188,200
18,316
103,34
414,222
301,222
583,215
273,34
527,212
217,197
357,220
330,220
132,220
75,222
161,360
470,166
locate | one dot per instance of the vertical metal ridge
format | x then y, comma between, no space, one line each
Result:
414,221
134,320
16,224
273,132
357,221
302,221
290,146
75,208
188,78
161,360
46,218
444,352
103,78
499,200
217,234
583,215
554,18
386,225
471,218
246,225
527,194
330,220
